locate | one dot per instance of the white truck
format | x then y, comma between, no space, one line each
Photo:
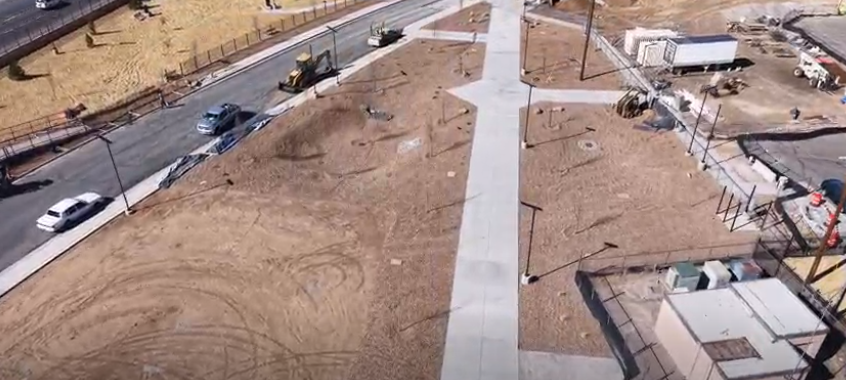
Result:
382,36
818,70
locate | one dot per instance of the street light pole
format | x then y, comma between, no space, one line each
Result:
127,210
335,53
588,29
525,143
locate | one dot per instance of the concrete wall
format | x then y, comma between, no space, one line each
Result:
687,354
46,39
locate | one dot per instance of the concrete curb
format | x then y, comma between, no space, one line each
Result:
30,264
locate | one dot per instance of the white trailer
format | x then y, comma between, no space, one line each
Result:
634,38
700,51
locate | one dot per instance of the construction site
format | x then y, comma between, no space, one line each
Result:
484,176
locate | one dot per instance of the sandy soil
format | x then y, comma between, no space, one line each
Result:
330,255
130,55
472,19
554,60
615,184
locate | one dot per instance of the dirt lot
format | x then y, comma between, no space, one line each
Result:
329,256
617,185
763,104
472,19
130,54
554,60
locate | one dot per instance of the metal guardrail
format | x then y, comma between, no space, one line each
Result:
73,12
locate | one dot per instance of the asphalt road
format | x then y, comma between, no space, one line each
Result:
19,19
810,160
156,140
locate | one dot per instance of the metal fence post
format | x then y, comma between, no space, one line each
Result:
731,198
721,199
751,196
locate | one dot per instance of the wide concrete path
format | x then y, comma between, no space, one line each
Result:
482,332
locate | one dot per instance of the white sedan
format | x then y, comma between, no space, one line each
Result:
68,212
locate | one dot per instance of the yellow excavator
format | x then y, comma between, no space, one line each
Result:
308,72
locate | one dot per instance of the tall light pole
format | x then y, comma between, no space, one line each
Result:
127,210
588,29
335,51
525,143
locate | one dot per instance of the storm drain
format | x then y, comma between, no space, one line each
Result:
588,145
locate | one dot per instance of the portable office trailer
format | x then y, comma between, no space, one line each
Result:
635,37
699,51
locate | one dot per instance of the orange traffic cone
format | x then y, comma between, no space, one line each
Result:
816,199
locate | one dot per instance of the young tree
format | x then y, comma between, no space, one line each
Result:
16,72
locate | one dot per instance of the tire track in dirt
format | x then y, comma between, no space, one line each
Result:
140,297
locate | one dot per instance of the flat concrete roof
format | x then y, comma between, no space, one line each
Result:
720,315
779,309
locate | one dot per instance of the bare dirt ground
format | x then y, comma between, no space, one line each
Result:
472,19
554,57
618,15
330,255
617,185
130,55
763,104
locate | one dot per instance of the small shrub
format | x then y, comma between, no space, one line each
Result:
16,72
89,41
136,5
92,28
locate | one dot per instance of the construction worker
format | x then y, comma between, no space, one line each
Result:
162,100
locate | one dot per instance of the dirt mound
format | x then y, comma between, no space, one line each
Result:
305,140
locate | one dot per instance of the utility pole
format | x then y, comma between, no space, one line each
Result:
127,211
824,244
588,29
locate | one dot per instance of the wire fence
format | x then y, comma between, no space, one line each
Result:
49,130
69,13
663,259
201,60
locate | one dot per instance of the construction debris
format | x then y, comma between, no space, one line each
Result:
375,114
631,104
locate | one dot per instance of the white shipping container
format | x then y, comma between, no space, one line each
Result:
634,37
651,54
700,51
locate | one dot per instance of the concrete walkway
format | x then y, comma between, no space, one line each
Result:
482,332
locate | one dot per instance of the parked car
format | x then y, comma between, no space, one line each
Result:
68,212
47,4
216,118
